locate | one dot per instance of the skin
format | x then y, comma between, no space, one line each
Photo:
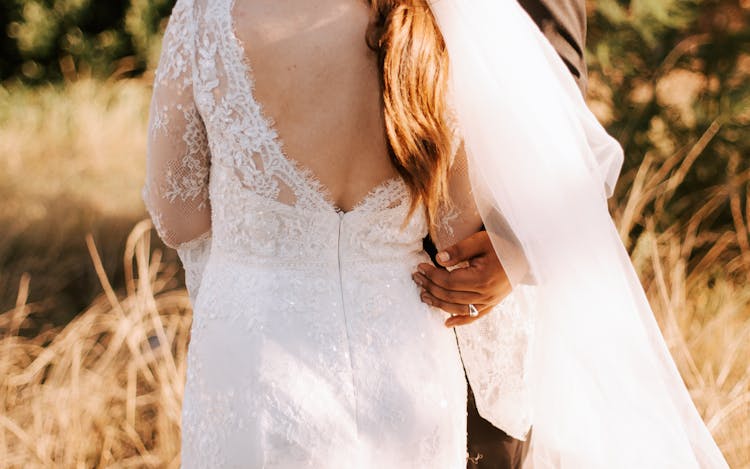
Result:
481,282
311,65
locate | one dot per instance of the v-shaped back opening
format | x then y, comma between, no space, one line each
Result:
304,174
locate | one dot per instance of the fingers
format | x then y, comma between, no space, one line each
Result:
465,319
467,279
455,309
475,245
459,310
458,321
450,296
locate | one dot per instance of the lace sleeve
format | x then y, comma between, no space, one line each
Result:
458,217
494,349
178,157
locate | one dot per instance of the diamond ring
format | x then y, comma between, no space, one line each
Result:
473,311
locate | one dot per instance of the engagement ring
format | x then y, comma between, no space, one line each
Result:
473,311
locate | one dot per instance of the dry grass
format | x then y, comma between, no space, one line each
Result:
697,284
105,389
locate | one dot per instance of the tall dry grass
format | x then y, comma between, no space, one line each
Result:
697,283
105,390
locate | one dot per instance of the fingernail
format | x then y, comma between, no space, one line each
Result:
427,300
421,270
443,256
417,280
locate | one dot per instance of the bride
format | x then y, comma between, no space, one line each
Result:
297,166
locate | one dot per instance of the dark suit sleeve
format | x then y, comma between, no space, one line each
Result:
563,22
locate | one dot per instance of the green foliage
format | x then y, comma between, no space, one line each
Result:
672,76
47,40
143,22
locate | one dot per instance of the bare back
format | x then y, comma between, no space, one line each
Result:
318,82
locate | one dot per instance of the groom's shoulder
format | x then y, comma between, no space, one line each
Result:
563,22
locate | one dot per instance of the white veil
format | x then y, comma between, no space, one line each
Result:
605,392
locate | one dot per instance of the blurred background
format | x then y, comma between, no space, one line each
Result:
93,313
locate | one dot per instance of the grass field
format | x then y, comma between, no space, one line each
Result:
103,389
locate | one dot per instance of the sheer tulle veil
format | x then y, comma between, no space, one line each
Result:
605,391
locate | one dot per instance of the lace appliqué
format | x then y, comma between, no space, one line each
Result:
188,179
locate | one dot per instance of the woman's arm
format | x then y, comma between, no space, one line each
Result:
474,274
178,157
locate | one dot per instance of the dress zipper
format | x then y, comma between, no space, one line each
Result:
346,322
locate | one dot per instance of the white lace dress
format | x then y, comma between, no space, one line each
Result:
310,346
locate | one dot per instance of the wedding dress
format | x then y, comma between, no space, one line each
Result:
310,346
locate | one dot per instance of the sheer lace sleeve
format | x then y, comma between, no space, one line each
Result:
495,348
458,217
178,157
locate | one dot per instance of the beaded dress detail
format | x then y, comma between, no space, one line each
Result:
310,346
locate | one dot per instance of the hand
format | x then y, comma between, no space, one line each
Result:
482,282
